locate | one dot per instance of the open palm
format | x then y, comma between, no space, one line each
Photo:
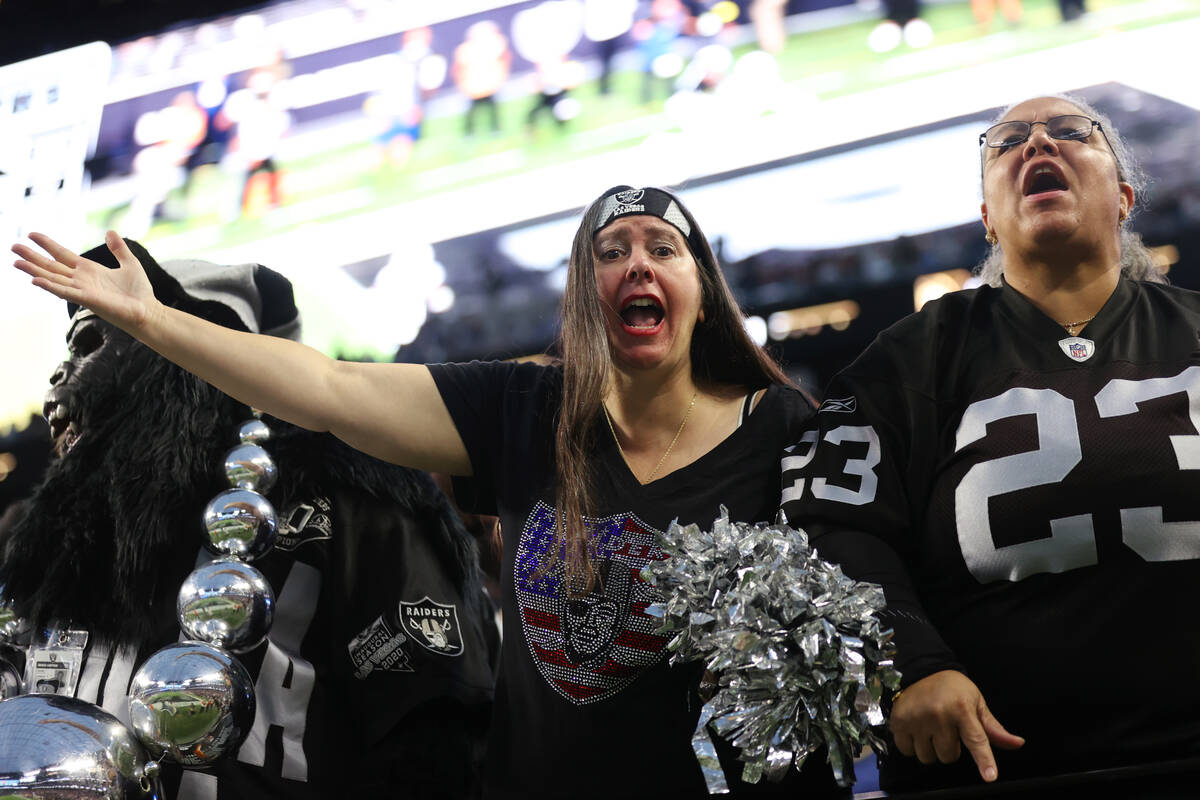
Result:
121,296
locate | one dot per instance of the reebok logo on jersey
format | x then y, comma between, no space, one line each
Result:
843,405
1077,348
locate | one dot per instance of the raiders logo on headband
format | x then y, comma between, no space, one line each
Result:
624,201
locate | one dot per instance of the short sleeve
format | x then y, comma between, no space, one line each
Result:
847,468
851,481
504,414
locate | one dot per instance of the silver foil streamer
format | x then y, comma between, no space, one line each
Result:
801,657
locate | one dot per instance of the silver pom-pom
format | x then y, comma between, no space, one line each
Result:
801,657
253,431
248,466
227,603
240,523
53,746
192,702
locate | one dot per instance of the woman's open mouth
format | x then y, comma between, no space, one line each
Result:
642,315
1044,180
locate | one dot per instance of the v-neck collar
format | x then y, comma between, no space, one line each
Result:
627,482
1042,327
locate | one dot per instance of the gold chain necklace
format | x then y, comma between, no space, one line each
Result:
1071,326
666,452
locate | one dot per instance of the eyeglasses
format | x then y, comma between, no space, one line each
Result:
1069,127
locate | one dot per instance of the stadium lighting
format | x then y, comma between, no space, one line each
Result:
935,284
810,320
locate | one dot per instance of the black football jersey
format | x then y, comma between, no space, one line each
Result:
375,678
1029,501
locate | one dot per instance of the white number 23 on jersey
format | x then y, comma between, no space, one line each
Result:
1072,543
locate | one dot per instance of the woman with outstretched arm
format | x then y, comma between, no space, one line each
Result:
662,409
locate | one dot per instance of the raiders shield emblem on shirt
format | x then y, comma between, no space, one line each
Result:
433,625
1077,348
589,648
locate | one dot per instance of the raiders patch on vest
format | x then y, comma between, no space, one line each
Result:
592,647
433,625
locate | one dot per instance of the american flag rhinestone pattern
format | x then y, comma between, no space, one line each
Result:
591,648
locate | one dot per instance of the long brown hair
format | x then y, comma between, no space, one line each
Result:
722,353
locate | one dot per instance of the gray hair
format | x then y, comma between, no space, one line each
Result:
1137,262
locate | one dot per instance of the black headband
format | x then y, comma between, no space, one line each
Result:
625,201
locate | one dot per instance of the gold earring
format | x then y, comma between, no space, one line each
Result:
991,237
1122,216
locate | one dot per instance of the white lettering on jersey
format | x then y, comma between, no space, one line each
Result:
862,467
1072,542
1143,529
105,678
792,462
286,706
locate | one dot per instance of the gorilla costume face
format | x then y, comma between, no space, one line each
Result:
115,526
106,537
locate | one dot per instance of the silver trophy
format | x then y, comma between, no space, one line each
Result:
60,747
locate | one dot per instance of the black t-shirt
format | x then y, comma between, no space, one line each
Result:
1028,500
586,703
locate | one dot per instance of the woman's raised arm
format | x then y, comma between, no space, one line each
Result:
391,411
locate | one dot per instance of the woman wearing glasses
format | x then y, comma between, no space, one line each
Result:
1014,464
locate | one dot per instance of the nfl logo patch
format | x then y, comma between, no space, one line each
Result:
1077,348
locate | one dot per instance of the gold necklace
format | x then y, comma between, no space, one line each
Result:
666,452
1071,326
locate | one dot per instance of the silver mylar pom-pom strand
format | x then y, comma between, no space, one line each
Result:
240,523
227,603
253,431
54,746
192,702
248,466
801,655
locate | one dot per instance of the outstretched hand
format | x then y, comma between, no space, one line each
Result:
938,714
121,296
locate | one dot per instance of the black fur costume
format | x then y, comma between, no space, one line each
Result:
115,527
